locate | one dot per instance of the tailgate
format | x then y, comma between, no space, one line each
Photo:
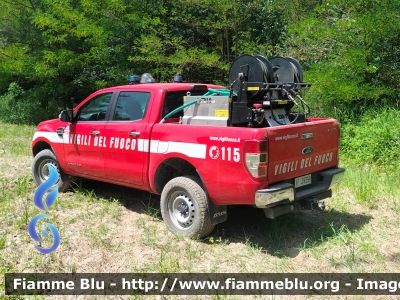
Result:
301,149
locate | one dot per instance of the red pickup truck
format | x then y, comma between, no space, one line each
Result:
200,146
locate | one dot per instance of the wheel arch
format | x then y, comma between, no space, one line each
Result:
39,146
43,145
171,168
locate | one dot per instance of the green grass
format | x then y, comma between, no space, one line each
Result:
373,138
373,185
15,138
107,228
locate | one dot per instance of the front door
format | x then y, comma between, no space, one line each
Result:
84,139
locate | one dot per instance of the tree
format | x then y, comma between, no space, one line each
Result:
344,45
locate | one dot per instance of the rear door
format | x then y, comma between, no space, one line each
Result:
127,138
302,149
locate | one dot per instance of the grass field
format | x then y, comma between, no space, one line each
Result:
107,228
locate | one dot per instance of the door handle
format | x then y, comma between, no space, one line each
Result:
134,133
95,132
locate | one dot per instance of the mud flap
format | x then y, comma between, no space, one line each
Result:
218,213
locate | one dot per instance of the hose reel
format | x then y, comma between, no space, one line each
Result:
266,90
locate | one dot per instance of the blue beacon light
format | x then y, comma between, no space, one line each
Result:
133,79
178,78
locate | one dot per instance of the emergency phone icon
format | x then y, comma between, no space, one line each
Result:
214,152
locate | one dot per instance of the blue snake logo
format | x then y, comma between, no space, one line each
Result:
50,199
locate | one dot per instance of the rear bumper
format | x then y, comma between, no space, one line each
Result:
285,192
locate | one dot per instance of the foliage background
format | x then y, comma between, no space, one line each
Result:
54,53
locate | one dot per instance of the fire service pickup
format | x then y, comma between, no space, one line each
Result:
200,146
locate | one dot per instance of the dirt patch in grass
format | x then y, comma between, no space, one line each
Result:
14,167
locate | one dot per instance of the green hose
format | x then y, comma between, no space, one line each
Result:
179,109
219,92
211,92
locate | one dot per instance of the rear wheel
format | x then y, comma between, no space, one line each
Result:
40,170
184,207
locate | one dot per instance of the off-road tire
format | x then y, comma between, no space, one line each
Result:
184,207
40,171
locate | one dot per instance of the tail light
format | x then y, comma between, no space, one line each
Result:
256,157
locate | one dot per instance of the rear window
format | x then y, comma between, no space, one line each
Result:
174,100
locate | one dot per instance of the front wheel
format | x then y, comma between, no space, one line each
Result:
40,170
184,207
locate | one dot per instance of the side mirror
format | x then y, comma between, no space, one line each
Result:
66,116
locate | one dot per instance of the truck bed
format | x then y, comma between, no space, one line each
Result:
217,153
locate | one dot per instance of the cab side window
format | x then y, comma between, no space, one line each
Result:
131,106
95,109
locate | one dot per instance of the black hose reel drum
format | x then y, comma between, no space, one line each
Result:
250,68
256,68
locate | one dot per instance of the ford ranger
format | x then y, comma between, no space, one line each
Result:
200,146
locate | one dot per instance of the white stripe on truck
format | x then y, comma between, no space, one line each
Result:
188,149
51,136
143,145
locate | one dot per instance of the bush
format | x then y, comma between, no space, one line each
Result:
26,107
374,139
